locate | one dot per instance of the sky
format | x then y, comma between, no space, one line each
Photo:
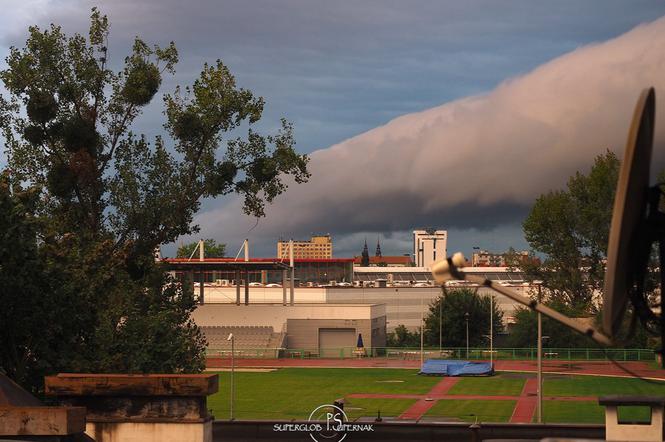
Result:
445,114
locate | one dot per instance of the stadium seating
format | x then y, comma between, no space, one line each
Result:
257,341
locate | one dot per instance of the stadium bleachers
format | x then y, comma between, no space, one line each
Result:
259,341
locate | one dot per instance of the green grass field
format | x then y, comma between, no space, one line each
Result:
500,385
589,412
471,411
599,386
355,408
292,393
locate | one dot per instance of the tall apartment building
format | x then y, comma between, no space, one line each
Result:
319,247
429,246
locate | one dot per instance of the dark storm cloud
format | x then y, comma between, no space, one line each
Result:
477,162
338,69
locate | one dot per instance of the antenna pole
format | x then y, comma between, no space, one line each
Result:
291,272
422,340
661,251
540,361
492,331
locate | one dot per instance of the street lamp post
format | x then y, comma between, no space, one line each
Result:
491,331
466,318
422,335
232,339
539,409
440,324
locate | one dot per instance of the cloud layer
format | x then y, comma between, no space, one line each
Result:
478,162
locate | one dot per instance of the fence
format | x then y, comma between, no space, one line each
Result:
568,354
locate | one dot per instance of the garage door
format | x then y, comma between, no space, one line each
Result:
331,340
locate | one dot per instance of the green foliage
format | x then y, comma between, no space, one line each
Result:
402,337
24,312
210,247
103,198
451,306
524,332
571,227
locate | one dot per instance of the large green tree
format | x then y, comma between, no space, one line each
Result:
523,333
402,337
210,248
451,307
571,229
105,196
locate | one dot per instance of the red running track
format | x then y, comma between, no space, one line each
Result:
601,368
417,410
526,404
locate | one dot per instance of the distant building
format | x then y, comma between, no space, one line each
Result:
308,272
364,256
483,258
378,260
318,247
429,246
385,261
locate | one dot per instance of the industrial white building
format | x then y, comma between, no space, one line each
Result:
429,246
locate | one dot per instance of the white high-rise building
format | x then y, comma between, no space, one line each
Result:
429,246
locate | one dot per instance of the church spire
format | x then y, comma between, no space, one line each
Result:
378,247
365,256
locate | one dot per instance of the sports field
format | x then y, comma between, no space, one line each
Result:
292,393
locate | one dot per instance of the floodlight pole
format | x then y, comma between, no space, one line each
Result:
422,334
233,367
466,318
539,408
440,323
491,331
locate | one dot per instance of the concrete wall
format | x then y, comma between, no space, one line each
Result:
405,304
402,304
150,431
276,315
304,333
219,294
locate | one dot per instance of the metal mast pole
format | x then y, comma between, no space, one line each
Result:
233,366
422,334
539,409
466,318
440,324
491,331
292,273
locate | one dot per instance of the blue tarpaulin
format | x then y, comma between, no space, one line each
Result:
449,367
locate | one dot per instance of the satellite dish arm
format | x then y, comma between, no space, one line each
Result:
448,269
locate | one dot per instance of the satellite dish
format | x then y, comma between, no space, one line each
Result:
630,238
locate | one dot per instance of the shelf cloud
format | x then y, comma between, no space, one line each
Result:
478,162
